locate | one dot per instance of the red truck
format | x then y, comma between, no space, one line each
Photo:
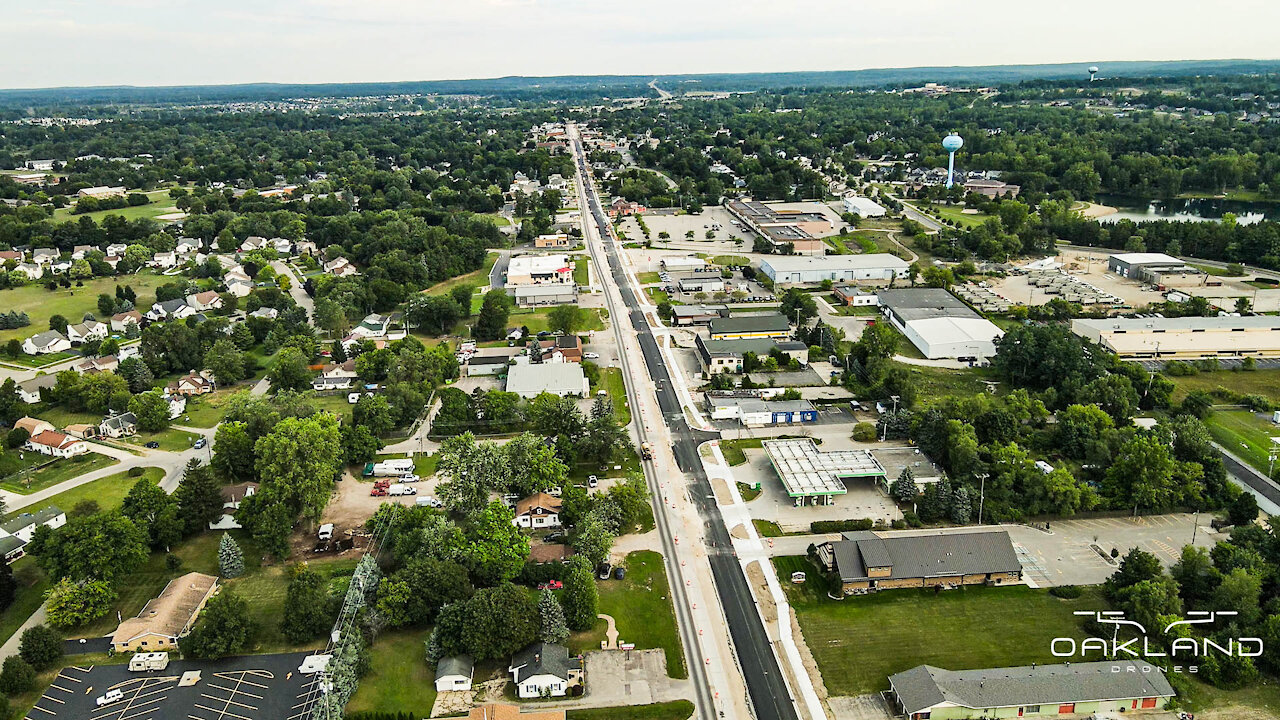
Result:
378,492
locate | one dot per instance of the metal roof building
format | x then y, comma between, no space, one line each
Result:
1184,337
939,324
565,379
801,270
808,472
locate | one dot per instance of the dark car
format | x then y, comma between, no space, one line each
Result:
153,445
603,571
619,573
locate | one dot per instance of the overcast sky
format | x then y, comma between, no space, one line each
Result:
187,42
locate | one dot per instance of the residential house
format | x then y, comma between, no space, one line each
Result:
454,674
562,348
177,405
265,312
193,383
119,425
50,341
175,309
129,351
543,670
486,365
31,270
187,247
1084,689
7,255
501,711
282,246
103,363
116,249
44,256
86,331
537,511
24,526
340,267
29,390
253,242
56,444
238,286
82,430
335,376
167,617
232,496
79,251
120,322
305,247
205,301
33,426
163,260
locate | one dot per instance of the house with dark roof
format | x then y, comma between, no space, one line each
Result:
867,562
741,327
29,390
543,670
119,425
1077,689
453,674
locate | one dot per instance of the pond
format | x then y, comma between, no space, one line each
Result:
1188,210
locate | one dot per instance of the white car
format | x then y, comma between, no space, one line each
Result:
593,481
110,697
591,356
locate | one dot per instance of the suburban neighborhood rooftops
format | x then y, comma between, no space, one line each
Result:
925,686
38,382
925,556
39,517
805,471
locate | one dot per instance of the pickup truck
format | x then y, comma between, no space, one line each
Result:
378,492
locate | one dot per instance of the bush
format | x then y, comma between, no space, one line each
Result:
17,676
40,646
136,471
1066,592
911,519
864,432
837,526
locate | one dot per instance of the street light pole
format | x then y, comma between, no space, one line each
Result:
982,494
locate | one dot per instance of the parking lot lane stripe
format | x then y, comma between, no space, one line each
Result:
58,687
54,699
37,707
224,713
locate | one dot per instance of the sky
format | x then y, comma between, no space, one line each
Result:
57,43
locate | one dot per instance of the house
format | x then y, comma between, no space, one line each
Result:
177,405
187,246
44,256
31,270
867,562
267,313
543,669
305,247
33,426
24,526
45,165
742,327
129,351
7,255
193,383
205,301
622,207
232,496
79,251
119,425
564,348
116,249
340,267
563,379
50,341
11,548
375,325
86,331
854,297
29,390
104,363
537,511
163,260
82,431
120,322
237,286
1074,689
454,674
57,444
175,309
555,240
282,246
253,242
500,711
166,617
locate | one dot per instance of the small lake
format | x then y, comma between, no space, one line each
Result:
1188,210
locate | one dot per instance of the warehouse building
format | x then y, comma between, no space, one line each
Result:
682,263
755,412
939,324
796,228
863,207
554,294
1184,338
797,270
726,356
565,379
1145,266
1070,689
700,282
743,327
697,314
537,269
867,562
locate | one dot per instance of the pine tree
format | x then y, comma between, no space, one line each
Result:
553,628
580,595
904,488
230,557
961,505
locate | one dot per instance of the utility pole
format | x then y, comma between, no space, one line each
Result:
1195,525
982,494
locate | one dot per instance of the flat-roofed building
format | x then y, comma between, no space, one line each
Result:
1185,337
856,297
799,270
726,356
756,412
797,228
565,379
939,324
1141,266
697,314
554,294
700,282
539,269
741,327
863,207
810,476
682,263
553,240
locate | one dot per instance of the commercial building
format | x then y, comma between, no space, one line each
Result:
697,314
701,282
554,240
1185,337
867,562
1145,266
539,269
783,227
565,379
682,264
796,270
741,327
939,324
556,294
166,617
1076,689
863,207
813,477
992,188
486,365
726,356
755,412
856,297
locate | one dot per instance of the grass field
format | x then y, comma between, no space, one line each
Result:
953,212
581,276
767,528
674,710
62,470
161,204
648,278
72,303
108,492
536,319
611,381
932,383
860,641
38,361
171,440
205,411
732,449
640,604
31,586
475,278
399,680
747,492
1245,382
727,260
1245,434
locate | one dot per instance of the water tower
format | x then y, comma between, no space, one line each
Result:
951,144
1093,72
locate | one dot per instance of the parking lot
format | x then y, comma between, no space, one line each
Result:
261,687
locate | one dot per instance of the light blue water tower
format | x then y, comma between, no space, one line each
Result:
1093,72
951,144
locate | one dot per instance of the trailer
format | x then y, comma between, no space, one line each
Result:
395,467
148,661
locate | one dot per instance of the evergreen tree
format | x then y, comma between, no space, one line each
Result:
580,595
8,586
904,488
230,557
553,628
961,505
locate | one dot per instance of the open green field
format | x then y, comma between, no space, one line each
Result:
171,439
860,641
640,605
536,319
108,492
732,449
581,275
674,710
59,471
648,278
399,679
161,204
205,411
954,212
611,381
474,278
1244,382
32,584
72,303
727,260
1244,433
932,383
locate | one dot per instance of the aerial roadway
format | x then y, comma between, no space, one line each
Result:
703,571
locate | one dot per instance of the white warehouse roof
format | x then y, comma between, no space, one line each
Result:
537,264
1146,259
827,263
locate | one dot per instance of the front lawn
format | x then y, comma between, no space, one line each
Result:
1244,433
640,605
399,679
72,303
733,449
171,439
860,641
32,584
58,471
648,278
108,492
611,381
581,276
